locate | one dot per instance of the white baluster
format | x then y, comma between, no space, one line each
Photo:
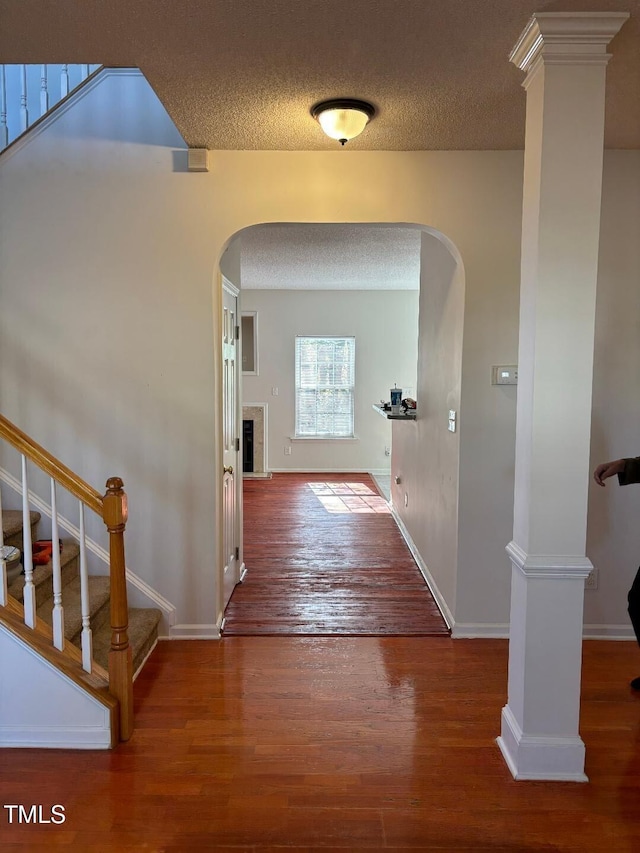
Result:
64,81
87,642
29,594
4,130
44,91
3,563
84,72
58,610
24,112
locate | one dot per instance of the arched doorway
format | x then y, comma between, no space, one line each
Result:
438,287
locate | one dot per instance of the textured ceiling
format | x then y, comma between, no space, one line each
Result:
330,257
242,74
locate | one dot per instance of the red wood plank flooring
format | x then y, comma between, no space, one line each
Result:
324,556
318,744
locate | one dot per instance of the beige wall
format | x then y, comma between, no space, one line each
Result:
426,452
108,258
613,540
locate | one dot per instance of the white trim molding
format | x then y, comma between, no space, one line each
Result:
543,566
327,471
532,757
424,571
566,38
260,457
477,630
193,632
608,632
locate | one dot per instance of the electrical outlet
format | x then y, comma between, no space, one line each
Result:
287,450
387,451
591,581
274,391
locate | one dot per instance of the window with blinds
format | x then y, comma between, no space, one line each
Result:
325,385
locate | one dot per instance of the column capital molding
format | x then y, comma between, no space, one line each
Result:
545,566
566,38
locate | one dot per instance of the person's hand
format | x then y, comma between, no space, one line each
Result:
608,469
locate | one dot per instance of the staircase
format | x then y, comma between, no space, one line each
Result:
143,622
69,643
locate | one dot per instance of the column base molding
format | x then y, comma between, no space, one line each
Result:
529,757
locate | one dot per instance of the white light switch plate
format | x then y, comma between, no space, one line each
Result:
504,374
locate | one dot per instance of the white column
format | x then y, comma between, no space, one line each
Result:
565,58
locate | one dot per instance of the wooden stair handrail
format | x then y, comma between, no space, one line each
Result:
52,466
112,509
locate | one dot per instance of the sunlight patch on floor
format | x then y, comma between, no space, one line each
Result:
339,498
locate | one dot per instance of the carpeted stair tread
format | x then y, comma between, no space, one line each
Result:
99,593
12,526
43,575
143,622
143,633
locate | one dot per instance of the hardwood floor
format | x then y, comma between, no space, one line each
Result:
324,556
334,744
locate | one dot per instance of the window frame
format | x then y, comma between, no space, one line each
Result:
328,436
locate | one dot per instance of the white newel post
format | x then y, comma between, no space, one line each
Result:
565,59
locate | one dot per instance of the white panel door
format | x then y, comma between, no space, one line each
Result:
230,534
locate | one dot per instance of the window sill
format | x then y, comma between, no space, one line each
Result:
323,438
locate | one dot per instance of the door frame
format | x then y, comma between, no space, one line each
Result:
225,284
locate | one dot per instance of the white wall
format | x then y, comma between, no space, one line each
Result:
56,714
385,325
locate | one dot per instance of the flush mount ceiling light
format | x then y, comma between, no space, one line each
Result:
343,118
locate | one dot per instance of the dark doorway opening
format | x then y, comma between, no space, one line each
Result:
247,447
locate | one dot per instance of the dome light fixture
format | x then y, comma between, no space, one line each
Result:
343,118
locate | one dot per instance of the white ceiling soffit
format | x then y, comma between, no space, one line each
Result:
330,257
243,74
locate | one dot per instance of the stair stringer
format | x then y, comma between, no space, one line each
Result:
44,705
139,593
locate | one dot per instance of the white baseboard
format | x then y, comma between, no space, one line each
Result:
256,475
608,632
193,632
148,593
470,630
337,470
498,631
426,574
45,737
